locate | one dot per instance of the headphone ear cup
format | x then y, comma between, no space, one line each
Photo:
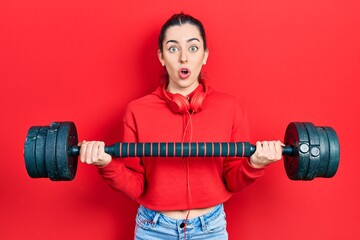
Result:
196,101
179,104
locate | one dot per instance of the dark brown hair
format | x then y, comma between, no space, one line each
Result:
177,20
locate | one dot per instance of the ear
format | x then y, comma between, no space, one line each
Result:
206,55
161,58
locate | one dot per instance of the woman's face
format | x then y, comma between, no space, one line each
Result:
183,55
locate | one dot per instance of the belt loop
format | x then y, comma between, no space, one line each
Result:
203,224
154,221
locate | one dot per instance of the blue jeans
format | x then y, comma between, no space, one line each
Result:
153,225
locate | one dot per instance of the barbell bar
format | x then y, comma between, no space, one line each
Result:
309,151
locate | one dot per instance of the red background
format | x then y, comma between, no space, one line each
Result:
85,60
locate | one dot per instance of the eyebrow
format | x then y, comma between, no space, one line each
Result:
189,40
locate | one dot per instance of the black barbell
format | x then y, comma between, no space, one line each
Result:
309,151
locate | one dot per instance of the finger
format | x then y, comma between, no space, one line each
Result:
265,149
278,149
95,153
258,149
271,153
88,152
102,154
82,151
101,148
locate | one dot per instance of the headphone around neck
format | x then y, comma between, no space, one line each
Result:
180,104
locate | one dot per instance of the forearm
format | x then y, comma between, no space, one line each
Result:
121,178
239,173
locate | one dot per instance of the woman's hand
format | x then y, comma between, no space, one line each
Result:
93,152
266,152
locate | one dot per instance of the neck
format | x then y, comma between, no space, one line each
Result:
183,90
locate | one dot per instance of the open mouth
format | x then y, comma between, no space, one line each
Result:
184,73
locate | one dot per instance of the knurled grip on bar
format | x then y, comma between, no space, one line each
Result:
178,149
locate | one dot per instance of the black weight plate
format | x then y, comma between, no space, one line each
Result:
40,152
291,163
29,152
334,152
314,151
66,163
50,151
296,166
303,151
324,152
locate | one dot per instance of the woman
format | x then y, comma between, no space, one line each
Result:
182,197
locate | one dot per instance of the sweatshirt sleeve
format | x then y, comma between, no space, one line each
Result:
238,172
127,174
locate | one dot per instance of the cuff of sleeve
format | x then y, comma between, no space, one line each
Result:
255,172
113,167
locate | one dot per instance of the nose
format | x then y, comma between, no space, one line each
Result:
183,57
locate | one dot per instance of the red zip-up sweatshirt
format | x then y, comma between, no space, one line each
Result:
182,183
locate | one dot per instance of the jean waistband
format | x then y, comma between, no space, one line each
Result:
156,216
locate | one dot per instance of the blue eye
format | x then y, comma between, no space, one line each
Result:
193,48
173,49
